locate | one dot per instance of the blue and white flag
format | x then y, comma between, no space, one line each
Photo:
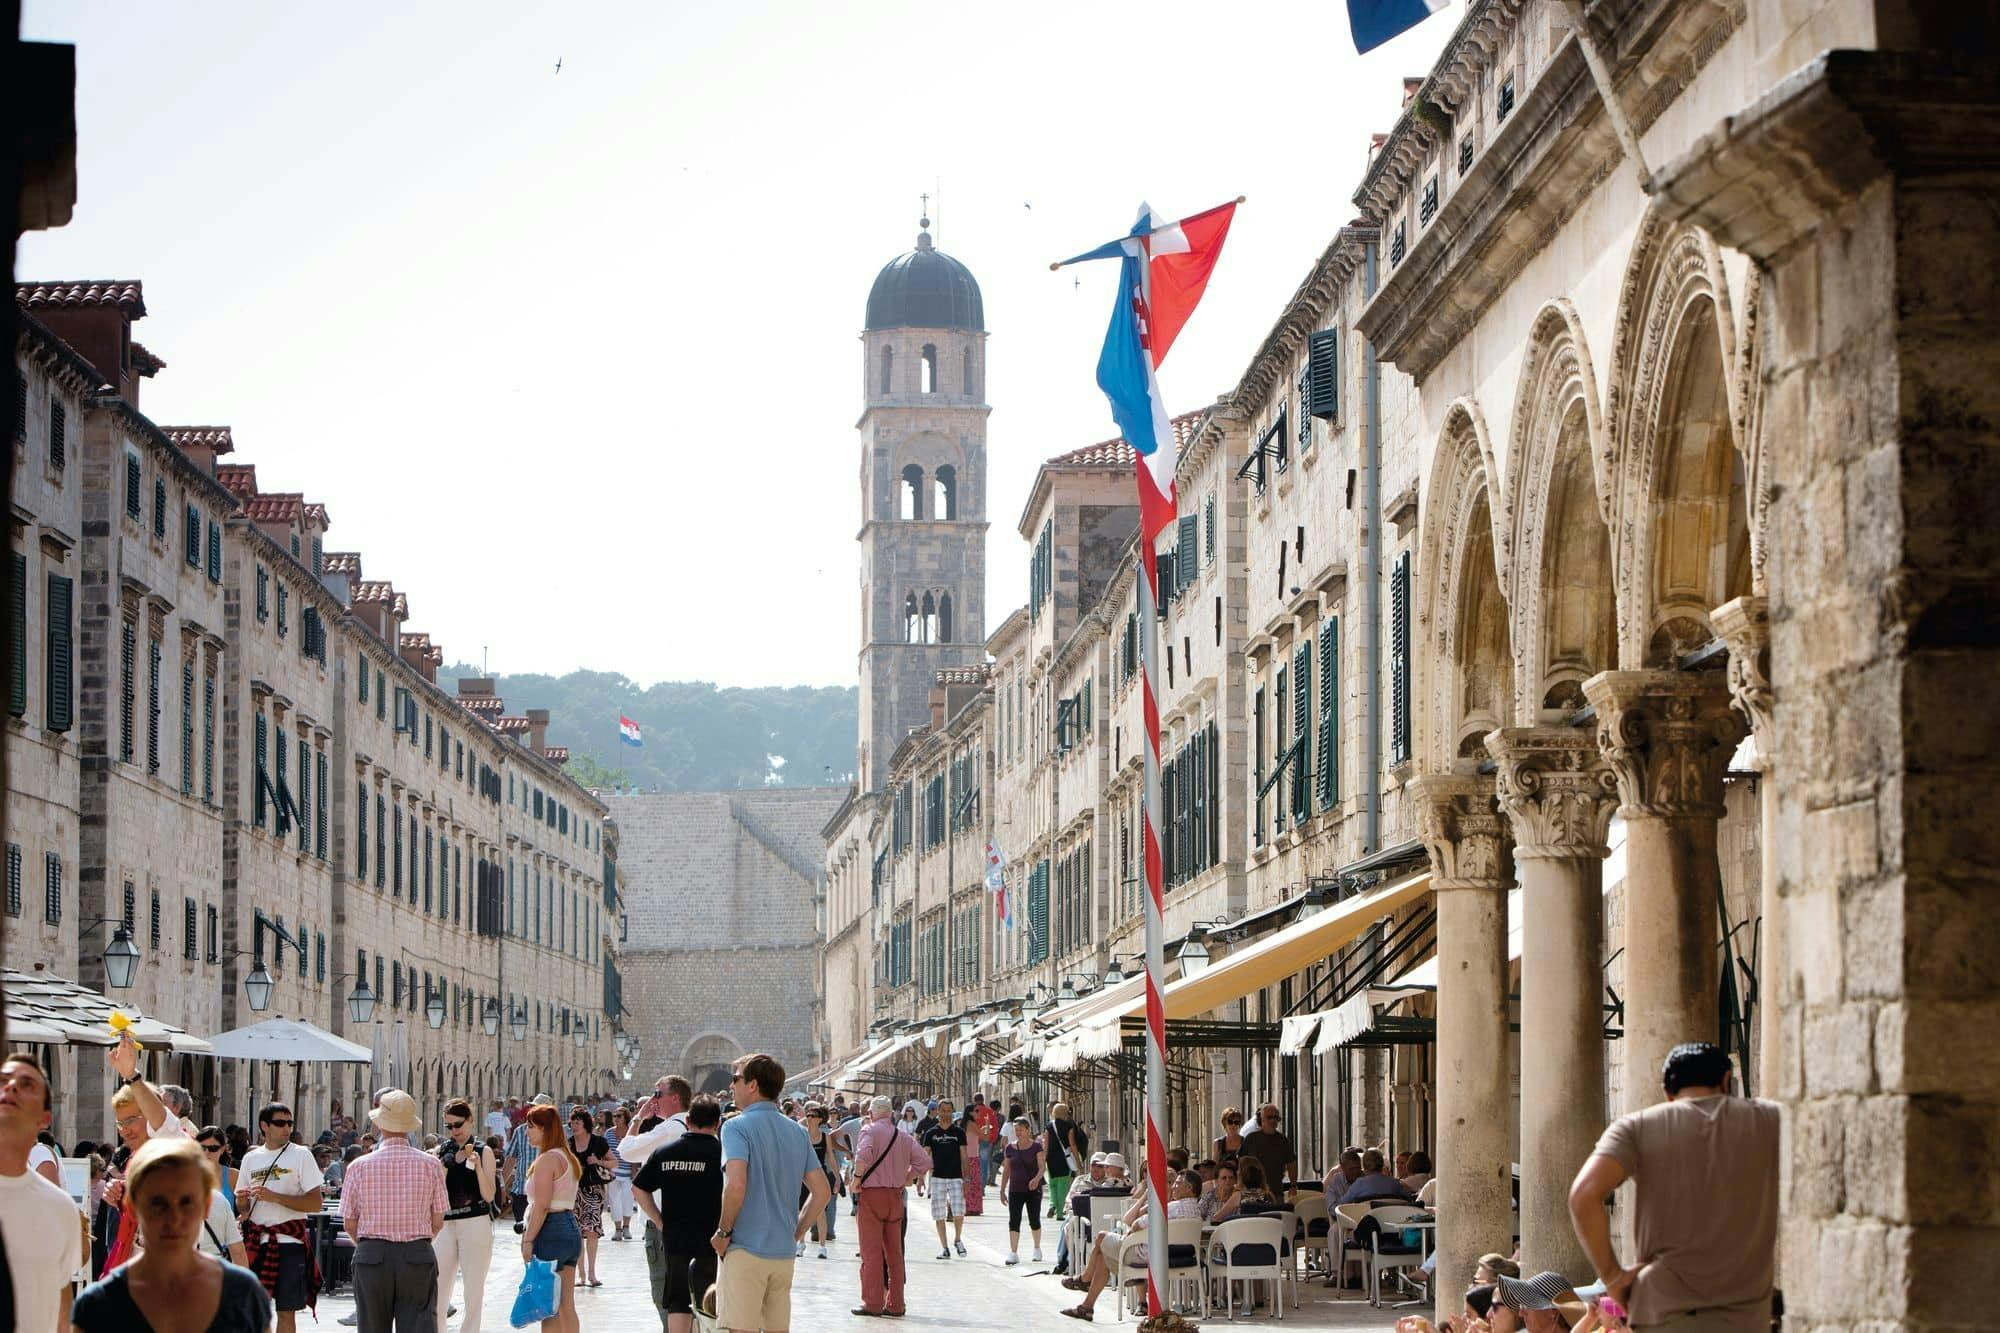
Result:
628,731
1376,21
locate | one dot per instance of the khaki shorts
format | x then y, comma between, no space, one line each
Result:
753,1292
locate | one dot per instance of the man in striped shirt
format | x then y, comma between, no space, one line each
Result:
521,1154
393,1206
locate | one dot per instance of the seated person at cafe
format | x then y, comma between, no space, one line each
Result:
1342,1174
1220,1191
1252,1198
1375,1183
1107,1180
1183,1201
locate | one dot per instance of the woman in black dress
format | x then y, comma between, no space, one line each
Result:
172,1284
595,1153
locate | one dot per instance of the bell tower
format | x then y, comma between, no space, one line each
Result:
923,491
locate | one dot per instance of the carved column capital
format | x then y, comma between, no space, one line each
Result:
1462,830
1744,623
1668,735
1556,788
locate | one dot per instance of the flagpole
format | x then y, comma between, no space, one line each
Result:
1156,1021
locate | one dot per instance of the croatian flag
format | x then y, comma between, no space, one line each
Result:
1165,267
1376,21
628,730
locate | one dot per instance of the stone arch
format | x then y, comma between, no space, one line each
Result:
707,1056
1561,589
1678,484
1462,557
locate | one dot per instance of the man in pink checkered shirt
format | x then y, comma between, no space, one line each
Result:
392,1203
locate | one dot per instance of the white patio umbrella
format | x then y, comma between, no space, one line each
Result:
288,1039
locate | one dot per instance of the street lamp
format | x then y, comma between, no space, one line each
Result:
489,1017
1114,974
1068,991
579,1030
519,1022
434,1008
361,1001
121,959
257,988
965,1025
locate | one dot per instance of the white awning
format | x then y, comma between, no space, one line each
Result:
1297,1031
289,1039
875,1057
1357,1015
82,1015
964,1045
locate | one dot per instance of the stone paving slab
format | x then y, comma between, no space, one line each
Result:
978,1293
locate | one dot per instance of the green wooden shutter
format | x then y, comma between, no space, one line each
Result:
1399,660
17,636
61,670
159,510
1187,553
1302,703
214,552
1327,772
263,774
194,536
319,804
187,727
1323,367
133,483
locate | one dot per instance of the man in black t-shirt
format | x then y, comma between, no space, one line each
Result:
679,1189
945,1141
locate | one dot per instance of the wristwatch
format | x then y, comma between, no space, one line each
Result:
725,1232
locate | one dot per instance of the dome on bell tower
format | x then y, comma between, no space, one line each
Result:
925,289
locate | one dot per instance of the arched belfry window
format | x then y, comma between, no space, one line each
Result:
910,499
944,492
944,626
971,377
930,619
913,622
930,368
888,383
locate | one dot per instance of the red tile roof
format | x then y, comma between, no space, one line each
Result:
961,675
482,704
558,753
122,293
148,364
375,590
1117,453
239,479
401,605
274,507
414,639
316,513
342,562
511,726
216,438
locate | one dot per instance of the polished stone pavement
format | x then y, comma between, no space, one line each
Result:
977,1293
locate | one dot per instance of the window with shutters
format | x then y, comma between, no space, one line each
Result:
427,735
60,664
284,621
190,930
187,726
319,957
1302,704
1399,660
361,681
17,634
361,831
381,694
128,913
305,938
404,721
381,843
193,552
1281,746
319,559
52,888
319,804
1465,155
153,922
1305,427
128,689
1038,913
263,593
1187,551
303,804
13,879
214,551
1427,202
135,485
1208,529
264,788
1504,104
427,869
152,705
1326,765
1323,365
281,792
58,435
1398,243
1257,768
1281,443
159,510
211,935
208,739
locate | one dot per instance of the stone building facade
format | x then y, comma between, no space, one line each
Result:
718,942
1643,507
219,731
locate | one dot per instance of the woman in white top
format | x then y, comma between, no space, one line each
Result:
549,1231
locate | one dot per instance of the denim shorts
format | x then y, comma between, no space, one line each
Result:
559,1239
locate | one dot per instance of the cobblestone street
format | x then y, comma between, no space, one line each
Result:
977,1293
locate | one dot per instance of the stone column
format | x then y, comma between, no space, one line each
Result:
1558,793
1474,1154
1744,623
1668,735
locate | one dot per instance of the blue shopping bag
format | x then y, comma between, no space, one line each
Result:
540,1294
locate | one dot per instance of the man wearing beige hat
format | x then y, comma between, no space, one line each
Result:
393,1205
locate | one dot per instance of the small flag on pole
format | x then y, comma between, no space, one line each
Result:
628,731
1376,21
996,882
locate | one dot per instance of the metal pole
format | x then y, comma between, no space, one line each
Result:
1156,1014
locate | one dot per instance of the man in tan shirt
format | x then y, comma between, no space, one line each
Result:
1705,1201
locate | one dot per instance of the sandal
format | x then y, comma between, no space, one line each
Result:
1075,1284
1082,1312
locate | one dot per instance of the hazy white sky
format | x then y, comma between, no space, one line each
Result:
572,357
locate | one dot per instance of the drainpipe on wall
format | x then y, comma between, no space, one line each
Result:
1371,582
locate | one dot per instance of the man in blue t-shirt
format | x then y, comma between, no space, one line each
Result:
766,1159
